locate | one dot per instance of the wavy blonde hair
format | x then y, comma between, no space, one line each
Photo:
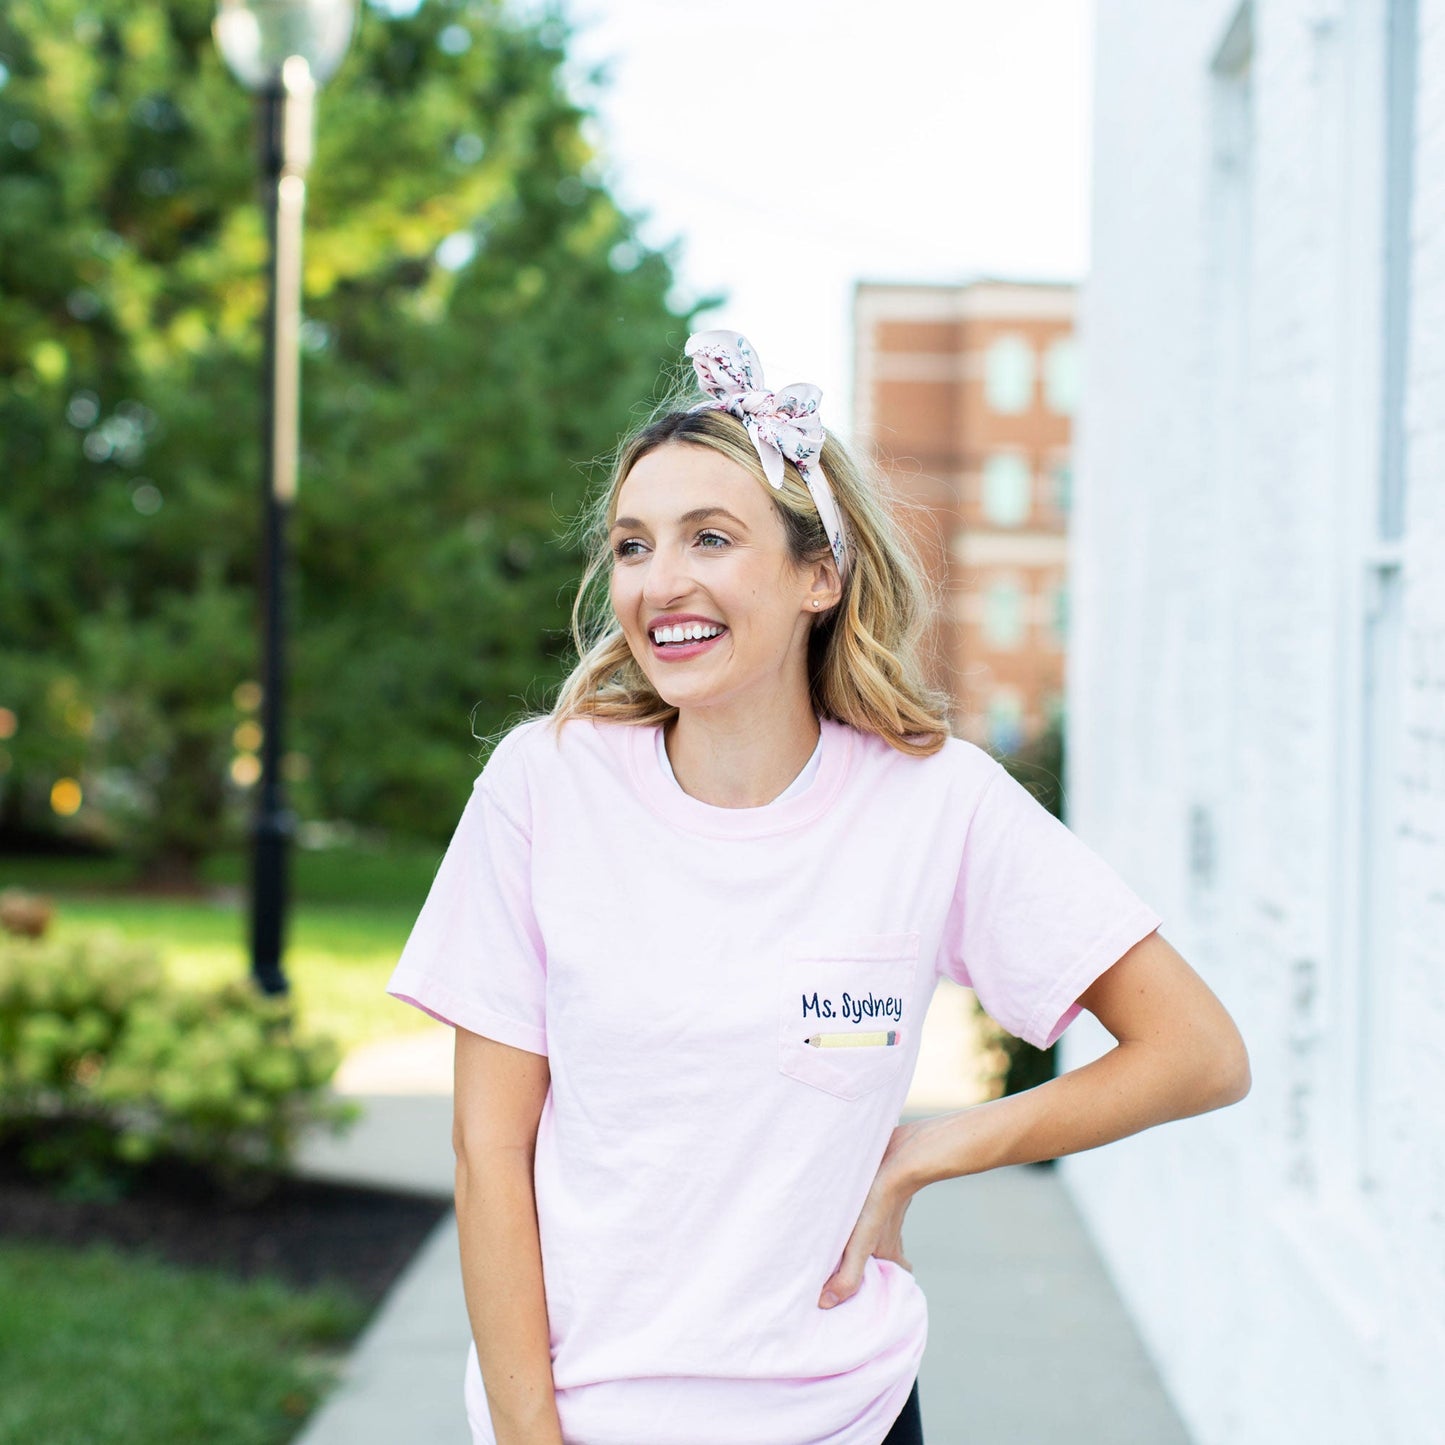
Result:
864,653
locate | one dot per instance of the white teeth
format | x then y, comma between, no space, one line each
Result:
685,632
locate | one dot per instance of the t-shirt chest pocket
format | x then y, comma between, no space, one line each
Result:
845,1012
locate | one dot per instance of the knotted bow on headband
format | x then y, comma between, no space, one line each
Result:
782,425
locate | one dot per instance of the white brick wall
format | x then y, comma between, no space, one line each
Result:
1227,476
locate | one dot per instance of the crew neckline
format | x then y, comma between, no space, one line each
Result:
804,778
665,796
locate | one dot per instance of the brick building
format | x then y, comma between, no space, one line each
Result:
966,394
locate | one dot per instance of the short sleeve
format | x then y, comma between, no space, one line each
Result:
1036,915
475,956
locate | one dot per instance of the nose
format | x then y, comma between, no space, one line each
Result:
667,576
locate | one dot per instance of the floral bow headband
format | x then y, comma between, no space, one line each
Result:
782,425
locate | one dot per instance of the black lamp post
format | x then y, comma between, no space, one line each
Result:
282,50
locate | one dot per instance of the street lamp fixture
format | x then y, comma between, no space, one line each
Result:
257,37
282,50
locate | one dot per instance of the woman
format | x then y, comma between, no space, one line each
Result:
687,931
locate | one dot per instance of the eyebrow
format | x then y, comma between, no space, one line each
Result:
698,514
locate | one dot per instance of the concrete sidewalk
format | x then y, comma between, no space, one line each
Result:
1027,1338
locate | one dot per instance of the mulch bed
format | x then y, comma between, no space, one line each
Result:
306,1232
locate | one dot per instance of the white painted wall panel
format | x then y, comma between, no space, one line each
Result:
1227,471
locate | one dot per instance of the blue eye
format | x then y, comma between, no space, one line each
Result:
620,550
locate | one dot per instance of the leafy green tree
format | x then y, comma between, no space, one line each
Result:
481,318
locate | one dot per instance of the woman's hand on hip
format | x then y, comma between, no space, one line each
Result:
879,1231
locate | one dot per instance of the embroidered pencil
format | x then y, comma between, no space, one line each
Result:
889,1036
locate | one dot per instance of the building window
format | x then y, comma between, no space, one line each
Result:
1061,375
1009,375
1005,720
1006,479
1003,614
1061,615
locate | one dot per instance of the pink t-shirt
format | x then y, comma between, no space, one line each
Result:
700,1164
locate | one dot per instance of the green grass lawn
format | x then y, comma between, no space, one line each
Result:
102,1348
99,1347
350,915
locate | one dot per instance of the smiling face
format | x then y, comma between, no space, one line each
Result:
697,538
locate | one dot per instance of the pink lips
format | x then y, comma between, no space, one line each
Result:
680,651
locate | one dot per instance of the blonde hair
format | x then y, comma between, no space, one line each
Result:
864,654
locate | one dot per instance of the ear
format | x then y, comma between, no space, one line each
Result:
824,589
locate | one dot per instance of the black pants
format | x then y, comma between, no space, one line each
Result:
908,1427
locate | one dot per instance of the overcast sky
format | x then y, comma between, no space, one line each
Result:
797,146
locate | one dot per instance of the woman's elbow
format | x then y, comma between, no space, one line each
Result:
1228,1075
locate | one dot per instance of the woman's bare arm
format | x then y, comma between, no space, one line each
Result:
1178,1053
499,1092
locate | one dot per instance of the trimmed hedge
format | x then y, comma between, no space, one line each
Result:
104,1065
